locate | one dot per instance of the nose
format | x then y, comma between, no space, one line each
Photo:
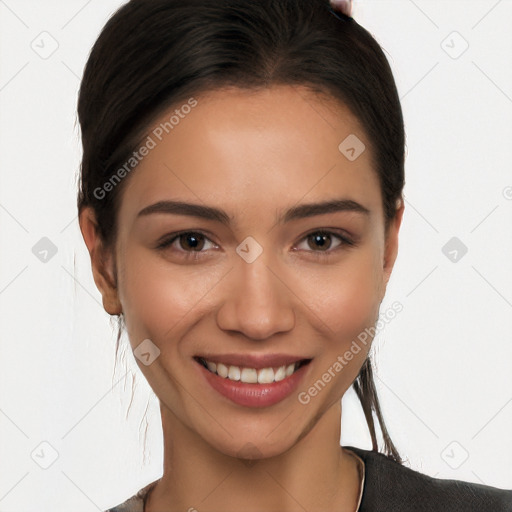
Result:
258,301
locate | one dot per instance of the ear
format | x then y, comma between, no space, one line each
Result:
102,262
391,248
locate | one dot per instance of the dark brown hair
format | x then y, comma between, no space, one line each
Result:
153,54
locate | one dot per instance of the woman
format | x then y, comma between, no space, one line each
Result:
241,198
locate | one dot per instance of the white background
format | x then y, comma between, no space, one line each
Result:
444,363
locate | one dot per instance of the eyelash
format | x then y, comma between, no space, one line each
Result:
194,255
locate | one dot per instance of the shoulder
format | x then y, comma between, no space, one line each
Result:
135,503
389,485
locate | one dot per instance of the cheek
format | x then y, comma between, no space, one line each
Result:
347,296
347,302
351,308
160,299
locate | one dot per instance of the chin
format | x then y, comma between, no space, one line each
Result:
250,444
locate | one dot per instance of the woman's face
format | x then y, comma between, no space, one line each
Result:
256,281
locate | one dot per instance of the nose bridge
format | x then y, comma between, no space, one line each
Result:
257,302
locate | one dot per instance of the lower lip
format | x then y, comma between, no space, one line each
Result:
254,395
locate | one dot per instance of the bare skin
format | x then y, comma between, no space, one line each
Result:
254,155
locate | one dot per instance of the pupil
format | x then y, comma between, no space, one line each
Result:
320,239
194,244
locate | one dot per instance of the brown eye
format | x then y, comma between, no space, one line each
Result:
192,241
186,242
321,242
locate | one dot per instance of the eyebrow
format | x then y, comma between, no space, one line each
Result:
216,214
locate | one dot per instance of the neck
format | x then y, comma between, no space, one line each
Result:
315,474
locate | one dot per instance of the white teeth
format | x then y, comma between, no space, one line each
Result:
251,375
234,373
266,376
280,374
222,370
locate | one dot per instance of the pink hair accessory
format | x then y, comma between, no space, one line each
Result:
343,6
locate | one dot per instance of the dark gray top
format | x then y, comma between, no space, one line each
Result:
392,487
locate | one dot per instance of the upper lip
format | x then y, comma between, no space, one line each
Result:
256,361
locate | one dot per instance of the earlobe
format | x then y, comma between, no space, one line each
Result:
102,262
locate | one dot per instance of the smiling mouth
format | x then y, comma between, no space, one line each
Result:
252,375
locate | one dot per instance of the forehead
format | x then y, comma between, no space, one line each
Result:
254,151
